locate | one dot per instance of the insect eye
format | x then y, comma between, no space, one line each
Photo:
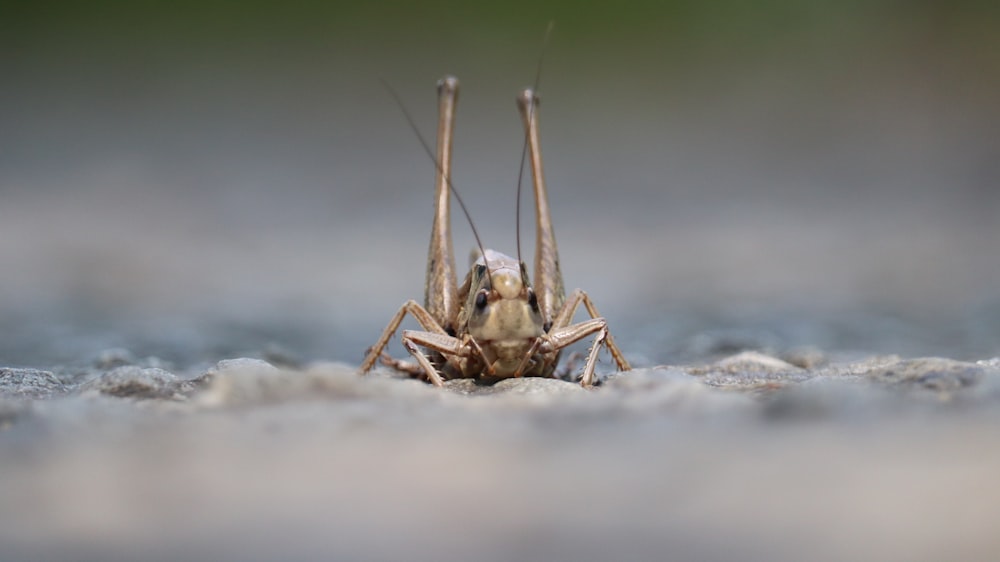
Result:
481,300
532,300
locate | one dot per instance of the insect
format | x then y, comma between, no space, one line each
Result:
496,324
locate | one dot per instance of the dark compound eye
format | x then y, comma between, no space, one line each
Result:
481,300
532,300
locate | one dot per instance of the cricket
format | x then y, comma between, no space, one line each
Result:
496,324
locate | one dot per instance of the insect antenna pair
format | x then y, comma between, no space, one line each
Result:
496,324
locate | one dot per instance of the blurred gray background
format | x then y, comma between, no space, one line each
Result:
196,180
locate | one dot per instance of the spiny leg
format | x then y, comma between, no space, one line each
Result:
414,370
565,317
408,368
560,337
456,351
424,362
419,313
587,379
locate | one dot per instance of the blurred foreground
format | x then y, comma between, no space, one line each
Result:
751,458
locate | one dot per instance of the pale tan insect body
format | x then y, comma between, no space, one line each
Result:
496,324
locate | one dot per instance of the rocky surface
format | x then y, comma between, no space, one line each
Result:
29,383
751,457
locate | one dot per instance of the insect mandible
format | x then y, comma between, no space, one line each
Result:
497,324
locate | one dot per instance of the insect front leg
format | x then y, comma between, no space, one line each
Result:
456,351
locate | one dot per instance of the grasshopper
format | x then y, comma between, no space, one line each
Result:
497,324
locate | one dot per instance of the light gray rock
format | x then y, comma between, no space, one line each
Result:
237,366
238,380
670,391
534,386
752,361
993,363
750,370
943,376
655,460
246,382
29,383
131,381
805,357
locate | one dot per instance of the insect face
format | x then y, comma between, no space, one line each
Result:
503,305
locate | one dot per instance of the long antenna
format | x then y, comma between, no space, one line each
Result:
524,147
437,164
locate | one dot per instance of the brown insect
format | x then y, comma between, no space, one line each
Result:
497,324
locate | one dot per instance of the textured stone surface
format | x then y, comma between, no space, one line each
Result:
29,383
933,374
526,386
749,457
130,381
750,370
